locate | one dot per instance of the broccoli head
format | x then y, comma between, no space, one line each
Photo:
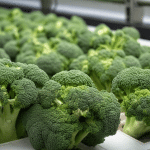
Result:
132,85
102,66
81,63
132,47
19,85
145,60
131,31
3,54
69,50
11,49
71,111
52,63
84,40
136,107
103,29
101,42
129,79
4,38
145,49
105,65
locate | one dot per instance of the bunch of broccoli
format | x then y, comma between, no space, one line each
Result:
49,41
102,66
58,108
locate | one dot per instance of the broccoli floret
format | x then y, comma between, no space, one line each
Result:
51,30
71,112
49,18
3,54
27,57
136,107
19,85
133,85
101,42
47,58
103,29
25,39
125,42
129,79
36,16
4,23
145,60
102,66
131,31
145,49
74,78
52,63
84,41
13,98
69,50
131,61
105,65
4,38
80,63
11,49
102,71
78,20
15,13
131,47
35,74
118,41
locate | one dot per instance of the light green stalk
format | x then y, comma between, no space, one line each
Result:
8,119
135,128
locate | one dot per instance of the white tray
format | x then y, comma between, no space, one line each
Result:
119,141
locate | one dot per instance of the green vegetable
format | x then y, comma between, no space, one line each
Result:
19,84
133,85
102,66
145,60
11,49
131,31
71,111
3,54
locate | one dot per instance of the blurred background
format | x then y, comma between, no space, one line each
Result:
114,13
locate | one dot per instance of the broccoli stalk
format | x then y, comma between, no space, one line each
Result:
8,122
135,128
77,137
96,81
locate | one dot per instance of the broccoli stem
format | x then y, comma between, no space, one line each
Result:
80,136
73,140
77,137
108,86
118,45
8,119
135,128
96,81
58,102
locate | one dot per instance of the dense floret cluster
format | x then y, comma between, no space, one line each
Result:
71,110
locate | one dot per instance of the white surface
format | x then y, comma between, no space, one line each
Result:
119,141
23,144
